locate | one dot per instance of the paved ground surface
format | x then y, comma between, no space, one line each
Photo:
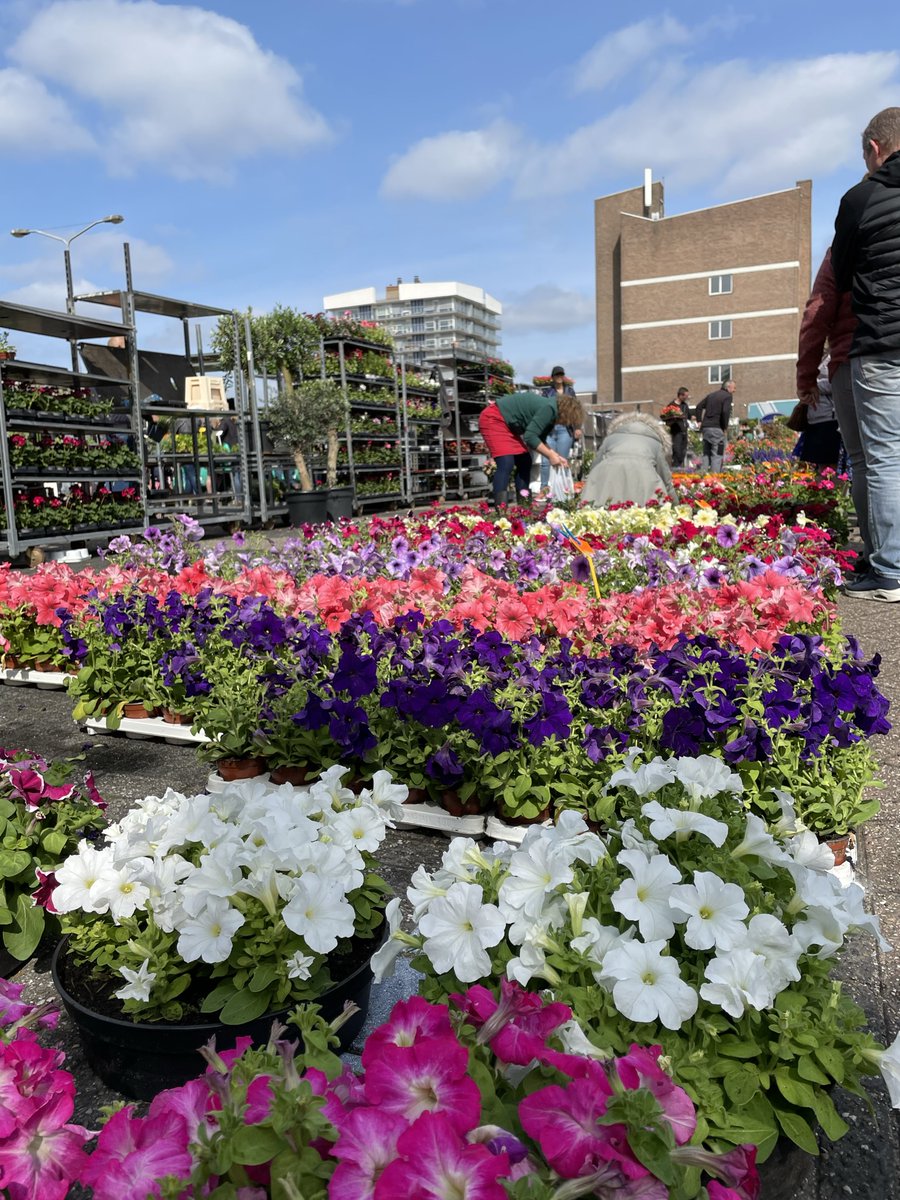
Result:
866,1163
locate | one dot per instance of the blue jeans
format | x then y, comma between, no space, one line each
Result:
845,411
505,464
713,449
559,439
876,394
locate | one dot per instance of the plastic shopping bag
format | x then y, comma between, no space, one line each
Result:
562,487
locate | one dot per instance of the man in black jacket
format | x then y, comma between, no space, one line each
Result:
865,255
714,412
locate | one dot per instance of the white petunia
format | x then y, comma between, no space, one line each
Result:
575,1041
83,880
889,1065
632,839
596,942
463,858
714,911
382,961
422,890
533,874
820,927
459,928
666,821
552,916
807,851
738,980
320,913
266,885
329,789
646,779
298,965
570,836
138,984
779,949
787,824
162,877
331,863
360,828
530,963
125,894
705,776
645,897
388,795
859,918
208,934
758,842
648,985
217,876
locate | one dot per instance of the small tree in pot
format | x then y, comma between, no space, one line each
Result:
299,418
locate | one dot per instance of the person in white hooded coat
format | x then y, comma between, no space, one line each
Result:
632,464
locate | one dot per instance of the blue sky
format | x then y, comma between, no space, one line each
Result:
281,150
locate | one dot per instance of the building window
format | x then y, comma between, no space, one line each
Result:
418,324
719,329
417,306
720,373
364,312
720,285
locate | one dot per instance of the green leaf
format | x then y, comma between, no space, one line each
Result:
244,1006
264,976
738,1049
794,1090
797,1130
217,997
833,1124
255,1144
54,842
21,940
741,1085
808,1070
652,1152
13,862
832,1060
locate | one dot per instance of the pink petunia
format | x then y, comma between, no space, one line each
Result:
640,1068
428,1077
411,1021
133,1154
367,1143
45,1154
435,1163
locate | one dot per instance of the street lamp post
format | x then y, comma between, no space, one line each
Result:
115,219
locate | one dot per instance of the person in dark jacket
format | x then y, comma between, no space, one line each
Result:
865,255
515,425
678,427
714,412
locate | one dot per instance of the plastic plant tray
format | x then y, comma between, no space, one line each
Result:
25,677
150,728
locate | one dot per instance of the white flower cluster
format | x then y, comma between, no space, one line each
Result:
747,959
185,860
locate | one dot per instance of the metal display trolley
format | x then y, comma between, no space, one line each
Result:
186,463
465,390
423,439
373,456
69,455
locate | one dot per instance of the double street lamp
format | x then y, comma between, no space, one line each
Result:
115,219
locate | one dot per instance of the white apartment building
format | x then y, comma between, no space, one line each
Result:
427,320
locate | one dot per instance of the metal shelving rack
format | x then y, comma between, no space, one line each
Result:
423,443
383,385
183,469
72,328
465,390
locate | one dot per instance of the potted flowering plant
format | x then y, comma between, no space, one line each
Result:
7,349
489,1098
690,924
224,908
45,809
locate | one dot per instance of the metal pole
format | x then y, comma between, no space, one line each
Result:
199,335
254,421
405,431
240,412
134,379
70,304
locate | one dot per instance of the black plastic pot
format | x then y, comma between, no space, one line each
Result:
306,508
340,503
140,1059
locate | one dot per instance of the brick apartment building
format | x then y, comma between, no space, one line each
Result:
694,299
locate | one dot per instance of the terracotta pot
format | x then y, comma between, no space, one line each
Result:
10,662
416,796
240,768
174,718
838,847
451,802
295,774
43,665
135,711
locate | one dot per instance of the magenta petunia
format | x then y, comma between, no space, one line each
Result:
516,1027
640,1068
410,1021
428,1077
367,1143
134,1153
44,1154
435,1163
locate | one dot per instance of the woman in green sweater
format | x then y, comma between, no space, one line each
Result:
516,425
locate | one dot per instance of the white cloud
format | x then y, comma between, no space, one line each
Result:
183,89
623,52
547,308
35,122
740,127
459,165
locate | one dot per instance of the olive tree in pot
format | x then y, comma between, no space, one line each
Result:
299,418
